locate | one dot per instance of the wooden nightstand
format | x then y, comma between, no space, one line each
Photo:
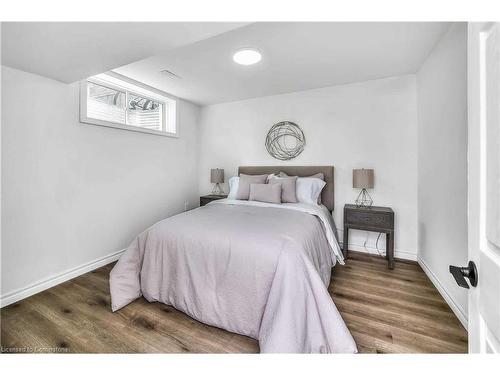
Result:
373,219
209,198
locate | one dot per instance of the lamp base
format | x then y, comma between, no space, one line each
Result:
217,190
364,199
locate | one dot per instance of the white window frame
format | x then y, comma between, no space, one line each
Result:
121,83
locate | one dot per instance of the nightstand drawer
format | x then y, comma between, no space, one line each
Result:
368,218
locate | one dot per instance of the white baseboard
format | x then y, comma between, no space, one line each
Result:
454,307
371,250
369,246
49,282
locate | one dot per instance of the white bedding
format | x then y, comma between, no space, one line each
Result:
317,210
253,268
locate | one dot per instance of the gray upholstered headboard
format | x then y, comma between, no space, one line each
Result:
327,195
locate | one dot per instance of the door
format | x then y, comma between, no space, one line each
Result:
484,185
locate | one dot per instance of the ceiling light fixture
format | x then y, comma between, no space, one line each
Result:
247,56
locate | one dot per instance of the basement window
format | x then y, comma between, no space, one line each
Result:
117,101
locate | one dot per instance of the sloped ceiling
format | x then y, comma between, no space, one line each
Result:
70,51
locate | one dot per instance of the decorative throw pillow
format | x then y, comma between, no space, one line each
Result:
272,175
270,193
320,175
288,188
244,184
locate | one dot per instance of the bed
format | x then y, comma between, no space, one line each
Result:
257,269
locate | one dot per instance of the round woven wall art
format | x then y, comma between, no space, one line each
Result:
285,140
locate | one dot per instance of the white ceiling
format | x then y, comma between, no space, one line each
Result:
70,51
296,56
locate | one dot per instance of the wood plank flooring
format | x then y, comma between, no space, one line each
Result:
386,311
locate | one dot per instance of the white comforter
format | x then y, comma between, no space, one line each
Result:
320,211
257,269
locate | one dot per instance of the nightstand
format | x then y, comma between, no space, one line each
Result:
373,219
209,198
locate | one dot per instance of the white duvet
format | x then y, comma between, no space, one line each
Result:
320,211
256,269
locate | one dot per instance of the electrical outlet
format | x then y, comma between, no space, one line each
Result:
186,203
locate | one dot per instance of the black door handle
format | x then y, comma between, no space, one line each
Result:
460,273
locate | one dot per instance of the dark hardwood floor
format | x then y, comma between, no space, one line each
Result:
396,311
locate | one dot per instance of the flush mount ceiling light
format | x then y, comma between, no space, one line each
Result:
247,56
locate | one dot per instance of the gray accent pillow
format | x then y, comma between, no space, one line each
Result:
288,188
270,193
244,184
321,176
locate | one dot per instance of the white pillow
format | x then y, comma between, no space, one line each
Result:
234,182
309,189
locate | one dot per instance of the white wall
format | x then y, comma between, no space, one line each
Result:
74,193
442,164
369,124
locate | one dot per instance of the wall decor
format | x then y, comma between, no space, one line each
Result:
285,140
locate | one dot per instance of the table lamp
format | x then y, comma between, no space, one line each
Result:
363,179
217,178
